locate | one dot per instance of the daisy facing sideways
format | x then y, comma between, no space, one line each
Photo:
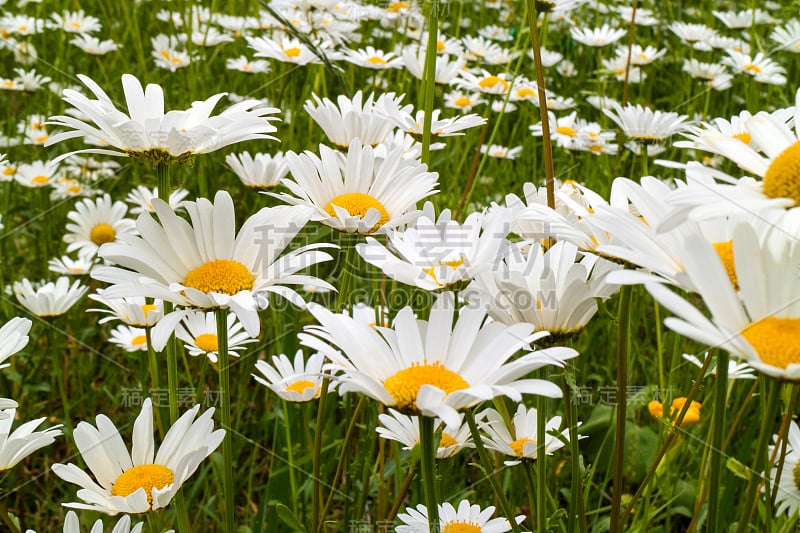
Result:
141,480
434,367
298,381
465,518
18,444
205,264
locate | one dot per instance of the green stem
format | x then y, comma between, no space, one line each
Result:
58,356
429,80
533,488
488,467
771,407
717,436
549,169
571,417
316,458
154,386
225,414
428,449
623,323
541,467
6,518
401,494
287,431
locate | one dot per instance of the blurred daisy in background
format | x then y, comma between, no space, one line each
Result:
298,381
141,199
49,299
259,172
13,338
129,338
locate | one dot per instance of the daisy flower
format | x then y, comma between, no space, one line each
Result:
93,45
692,416
644,125
596,37
133,310
68,266
433,368
760,323
412,124
13,338
150,134
556,290
787,36
405,429
259,172
484,82
286,50
96,222
76,22
51,299
466,518
198,331
37,173
463,101
788,496
501,152
141,198
18,444
298,381
141,480
123,525
520,439
693,34
372,58
760,67
357,192
353,118
243,64
205,264
129,338
714,75
736,370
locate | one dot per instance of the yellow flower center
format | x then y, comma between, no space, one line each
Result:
207,342
102,233
462,101
440,46
300,386
41,138
73,189
519,446
147,477
782,179
692,415
404,385
447,441
796,474
222,276
138,340
775,340
375,60
743,136
40,179
146,308
725,252
596,148
357,204
755,69
292,52
526,92
396,7
9,171
491,81
461,527
566,130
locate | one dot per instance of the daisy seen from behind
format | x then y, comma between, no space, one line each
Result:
140,480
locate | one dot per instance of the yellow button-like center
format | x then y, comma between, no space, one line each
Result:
222,276
725,252
375,60
692,415
519,446
462,101
782,179
147,477
566,130
743,136
40,179
146,308
207,342
357,204
461,527
490,81
300,386
396,7
404,385
775,340
447,441
755,69
102,233
526,92
292,52
138,340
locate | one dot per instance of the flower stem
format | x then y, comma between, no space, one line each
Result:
541,467
429,79
58,355
549,169
717,436
316,494
287,431
401,494
225,415
623,322
154,386
428,449
488,467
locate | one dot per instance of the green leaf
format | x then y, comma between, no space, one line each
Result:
288,518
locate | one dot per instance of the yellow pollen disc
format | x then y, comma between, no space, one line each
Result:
396,7
404,385
461,527
782,179
440,46
222,276
357,204
596,148
22,28
519,445
75,270
725,252
775,340
292,52
8,83
447,441
73,189
147,477
207,342
176,60
138,340
755,69
40,179
643,57
41,138
743,136
491,81
9,171
454,263
146,308
75,24
246,67
462,101
300,386
102,233
165,54
566,130
375,60
526,92
796,475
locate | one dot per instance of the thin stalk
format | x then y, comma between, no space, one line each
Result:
717,436
488,467
549,170
316,491
571,417
428,449
6,517
631,34
541,467
401,494
429,79
225,415
154,386
623,323
287,431
533,489
790,410
58,355
764,433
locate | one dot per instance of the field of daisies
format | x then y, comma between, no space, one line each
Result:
429,266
